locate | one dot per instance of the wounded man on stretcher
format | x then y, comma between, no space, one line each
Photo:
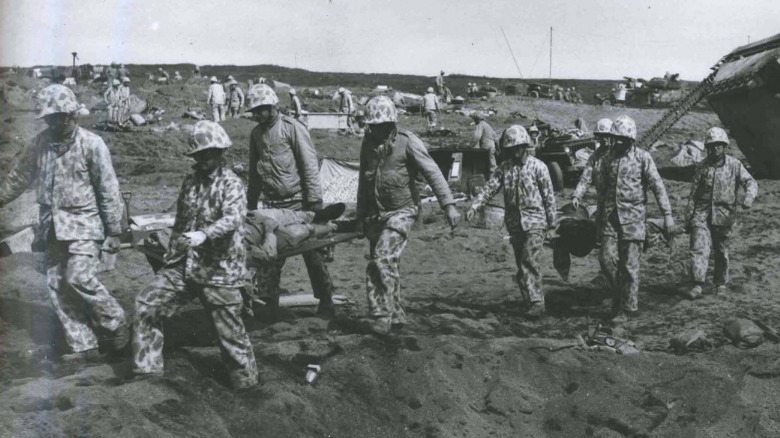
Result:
268,232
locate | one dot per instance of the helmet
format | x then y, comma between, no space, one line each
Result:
125,79
342,90
603,126
360,113
232,82
116,82
716,135
292,92
380,109
207,135
213,79
533,128
56,99
515,135
429,90
159,68
624,126
230,78
260,94
442,72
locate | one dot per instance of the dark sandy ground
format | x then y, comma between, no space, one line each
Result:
468,364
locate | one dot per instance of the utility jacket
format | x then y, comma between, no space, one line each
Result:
75,184
529,199
345,104
388,172
624,183
216,95
713,198
430,102
215,205
485,136
283,164
236,97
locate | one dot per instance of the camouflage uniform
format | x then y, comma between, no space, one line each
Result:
485,136
710,214
622,197
388,202
431,107
284,171
213,272
80,205
236,99
529,209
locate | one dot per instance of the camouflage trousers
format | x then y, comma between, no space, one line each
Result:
387,238
528,247
704,237
619,258
170,290
235,112
218,112
80,300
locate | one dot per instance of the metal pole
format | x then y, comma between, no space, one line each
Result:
550,78
512,53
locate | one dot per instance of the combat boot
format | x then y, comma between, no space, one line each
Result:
721,289
694,293
536,310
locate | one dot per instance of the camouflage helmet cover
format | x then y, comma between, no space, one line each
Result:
380,109
624,126
716,135
207,135
292,91
261,94
515,135
56,99
603,126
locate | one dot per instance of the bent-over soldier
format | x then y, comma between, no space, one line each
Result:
206,259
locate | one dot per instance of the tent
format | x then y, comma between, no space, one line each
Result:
339,181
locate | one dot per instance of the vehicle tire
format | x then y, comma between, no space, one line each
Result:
556,175
534,94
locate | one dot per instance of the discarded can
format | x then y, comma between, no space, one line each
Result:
312,372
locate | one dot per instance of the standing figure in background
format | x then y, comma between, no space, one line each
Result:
236,99
295,105
591,172
431,108
440,89
711,211
485,137
347,106
123,101
80,215
216,98
111,96
164,77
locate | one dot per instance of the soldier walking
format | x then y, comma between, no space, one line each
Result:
711,211
80,215
590,174
284,173
485,137
431,107
529,205
216,98
627,173
236,98
206,259
388,205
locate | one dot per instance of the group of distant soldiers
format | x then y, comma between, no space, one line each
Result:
81,210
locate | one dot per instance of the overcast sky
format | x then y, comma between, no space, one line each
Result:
596,39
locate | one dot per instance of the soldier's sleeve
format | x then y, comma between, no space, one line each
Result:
585,179
253,180
748,184
493,185
23,172
180,220
656,184
308,165
694,186
240,97
544,182
419,155
210,95
362,193
233,210
478,134
106,186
